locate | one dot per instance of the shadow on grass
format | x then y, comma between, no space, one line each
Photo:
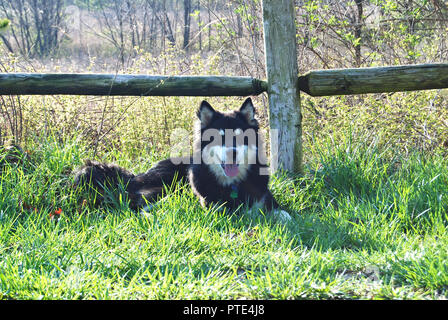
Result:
352,201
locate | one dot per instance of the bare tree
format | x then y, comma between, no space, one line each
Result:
36,25
159,11
187,22
125,24
358,29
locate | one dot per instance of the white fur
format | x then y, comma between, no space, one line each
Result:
148,208
282,216
216,155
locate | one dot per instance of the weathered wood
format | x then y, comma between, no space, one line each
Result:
284,95
374,80
128,85
315,83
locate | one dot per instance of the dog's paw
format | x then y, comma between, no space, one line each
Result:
145,211
282,216
147,208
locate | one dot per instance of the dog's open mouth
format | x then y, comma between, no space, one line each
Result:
230,170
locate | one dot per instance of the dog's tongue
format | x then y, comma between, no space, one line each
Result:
231,170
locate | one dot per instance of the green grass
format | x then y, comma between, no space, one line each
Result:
369,223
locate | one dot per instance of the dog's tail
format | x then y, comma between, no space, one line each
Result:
102,181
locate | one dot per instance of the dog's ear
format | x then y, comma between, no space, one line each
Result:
205,113
248,111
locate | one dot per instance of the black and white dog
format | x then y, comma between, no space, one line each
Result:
227,167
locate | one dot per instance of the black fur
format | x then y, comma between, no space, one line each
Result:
206,183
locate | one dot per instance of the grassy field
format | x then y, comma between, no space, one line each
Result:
370,222
370,212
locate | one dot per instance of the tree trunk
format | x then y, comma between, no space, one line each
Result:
199,24
358,30
187,22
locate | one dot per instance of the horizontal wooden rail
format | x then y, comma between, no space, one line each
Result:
374,80
127,85
315,83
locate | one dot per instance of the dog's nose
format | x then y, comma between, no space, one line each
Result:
231,155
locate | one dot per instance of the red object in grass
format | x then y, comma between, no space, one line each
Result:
56,213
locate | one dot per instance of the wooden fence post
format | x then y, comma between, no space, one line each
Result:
282,75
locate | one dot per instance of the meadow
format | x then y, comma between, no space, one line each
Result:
369,218
370,211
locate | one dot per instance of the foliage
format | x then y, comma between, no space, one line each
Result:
370,210
3,24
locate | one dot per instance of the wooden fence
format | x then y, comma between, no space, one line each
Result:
283,85
315,83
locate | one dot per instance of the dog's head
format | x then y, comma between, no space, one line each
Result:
229,141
